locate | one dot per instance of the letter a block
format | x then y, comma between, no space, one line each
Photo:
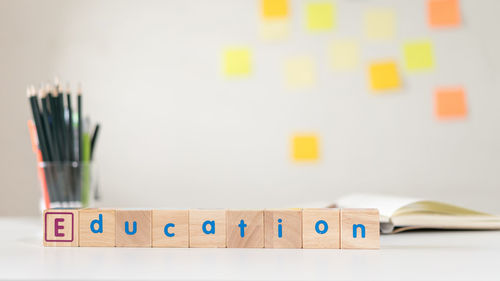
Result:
245,229
171,228
360,229
207,228
133,228
97,228
283,228
321,228
60,228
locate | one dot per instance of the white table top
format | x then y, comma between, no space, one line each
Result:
445,255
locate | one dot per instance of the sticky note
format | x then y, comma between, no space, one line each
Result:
274,30
418,55
237,61
305,147
320,16
450,103
379,24
272,9
344,55
384,76
443,13
299,73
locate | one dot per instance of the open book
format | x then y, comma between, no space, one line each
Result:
399,213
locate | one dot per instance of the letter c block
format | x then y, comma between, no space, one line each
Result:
178,229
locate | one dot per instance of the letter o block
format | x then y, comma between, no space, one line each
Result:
360,228
207,228
97,228
321,228
60,228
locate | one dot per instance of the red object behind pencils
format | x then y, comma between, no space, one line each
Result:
41,172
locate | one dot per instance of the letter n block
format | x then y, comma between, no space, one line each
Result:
60,228
171,228
283,228
207,228
133,228
321,228
245,229
360,229
97,228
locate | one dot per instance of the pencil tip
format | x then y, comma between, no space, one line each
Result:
28,91
79,91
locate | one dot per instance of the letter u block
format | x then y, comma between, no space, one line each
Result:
171,228
207,228
133,228
360,229
97,228
283,228
60,228
321,228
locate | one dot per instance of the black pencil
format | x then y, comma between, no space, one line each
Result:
70,126
80,124
93,141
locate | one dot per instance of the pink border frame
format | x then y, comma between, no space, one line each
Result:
72,226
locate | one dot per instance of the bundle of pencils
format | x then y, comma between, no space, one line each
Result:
63,143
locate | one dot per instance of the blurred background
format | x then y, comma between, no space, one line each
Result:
240,104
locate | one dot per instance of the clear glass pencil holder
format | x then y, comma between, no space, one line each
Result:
67,184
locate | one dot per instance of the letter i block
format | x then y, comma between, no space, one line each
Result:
60,228
97,228
360,229
171,228
245,229
283,228
321,228
207,228
133,228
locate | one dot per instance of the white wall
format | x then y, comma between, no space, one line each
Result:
176,133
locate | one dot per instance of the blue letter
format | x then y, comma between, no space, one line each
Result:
242,226
280,228
166,230
134,228
99,222
212,227
325,227
355,230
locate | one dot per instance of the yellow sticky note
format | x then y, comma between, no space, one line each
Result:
384,76
272,9
379,24
274,30
237,61
320,16
344,55
305,147
299,72
418,55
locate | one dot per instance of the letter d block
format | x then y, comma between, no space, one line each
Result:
321,228
97,228
60,228
360,229
133,228
171,228
283,228
207,228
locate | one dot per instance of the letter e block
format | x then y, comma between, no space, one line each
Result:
207,228
321,228
133,228
171,228
283,228
97,228
360,229
245,229
60,228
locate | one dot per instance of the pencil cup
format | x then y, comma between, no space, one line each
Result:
66,184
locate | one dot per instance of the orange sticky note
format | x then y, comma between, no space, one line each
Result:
305,147
443,13
450,103
272,9
384,76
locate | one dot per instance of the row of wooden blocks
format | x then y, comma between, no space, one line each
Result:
280,228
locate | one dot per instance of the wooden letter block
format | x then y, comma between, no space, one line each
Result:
207,228
171,228
60,228
283,228
321,228
97,228
133,228
245,229
360,229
